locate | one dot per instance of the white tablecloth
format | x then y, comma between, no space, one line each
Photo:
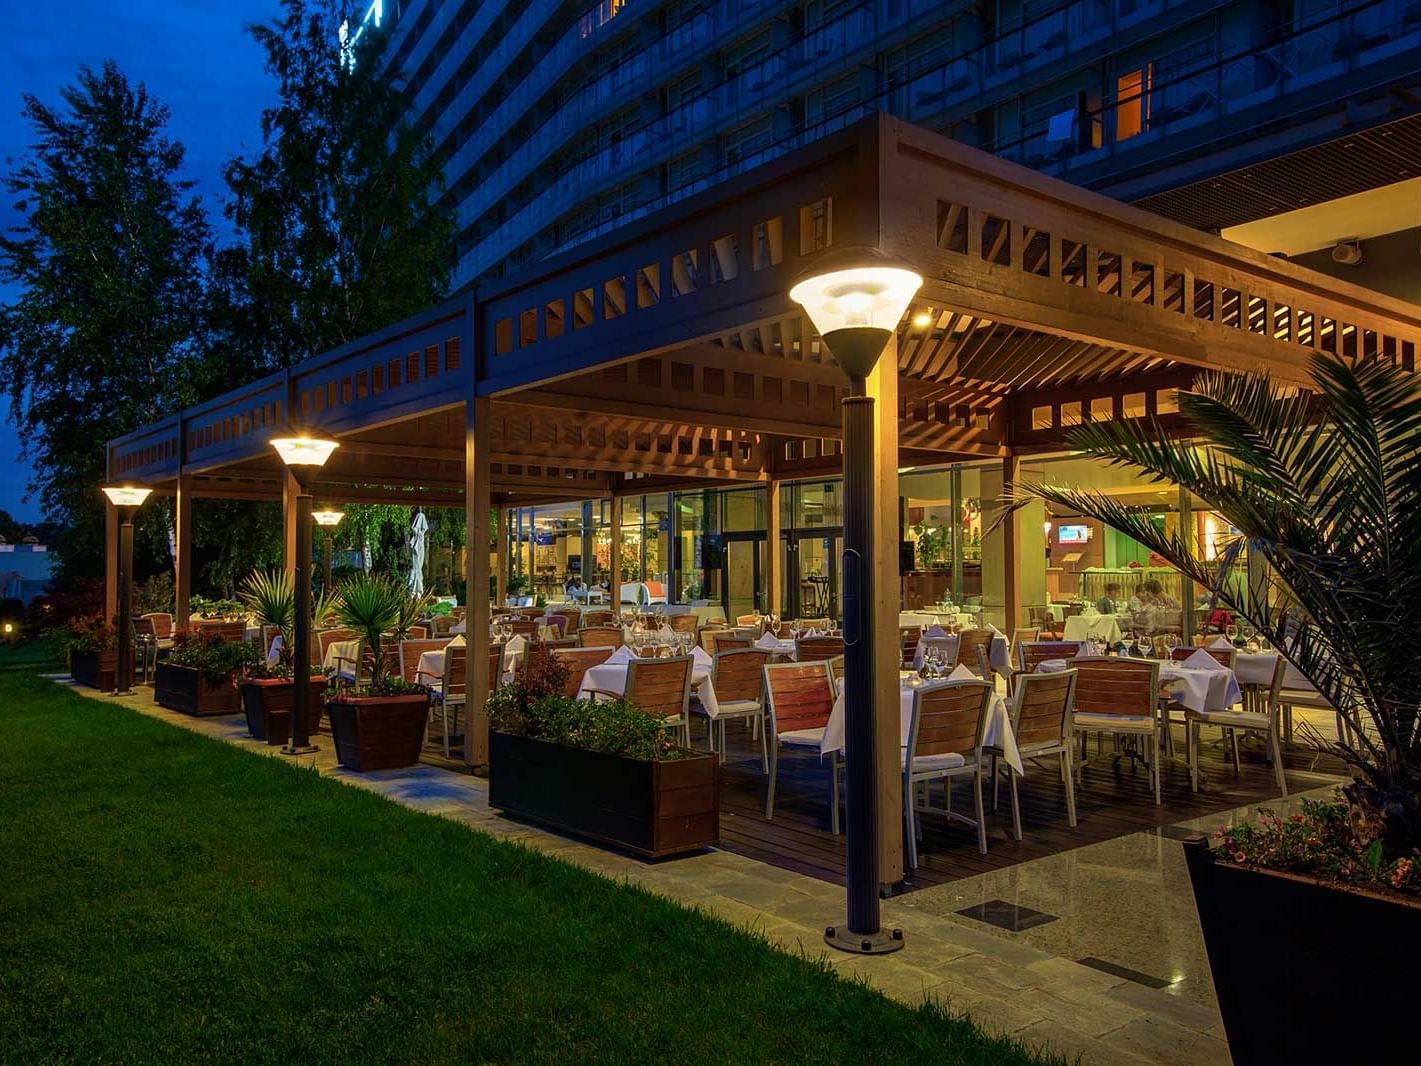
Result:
998,733
431,663
340,649
1197,689
1105,627
1256,668
776,645
927,618
997,654
612,677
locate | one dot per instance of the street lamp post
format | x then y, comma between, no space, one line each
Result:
328,520
303,456
126,500
855,297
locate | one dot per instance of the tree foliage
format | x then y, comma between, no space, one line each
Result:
108,260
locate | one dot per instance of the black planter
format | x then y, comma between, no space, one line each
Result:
1305,972
378,732
185,689
267,702
94,669
651,808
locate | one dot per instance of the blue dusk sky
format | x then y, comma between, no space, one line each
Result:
195,57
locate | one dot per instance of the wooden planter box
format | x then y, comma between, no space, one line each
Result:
650,808
183,688
1267,931
95,669
267,702
378,732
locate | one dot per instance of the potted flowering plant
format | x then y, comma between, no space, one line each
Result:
91,646
605,770
197,676
378,723
267,689
1324,488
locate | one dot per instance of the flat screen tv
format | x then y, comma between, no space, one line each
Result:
1072,534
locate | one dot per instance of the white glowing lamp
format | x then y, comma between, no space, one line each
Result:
304,451
328,519
126,495
856,297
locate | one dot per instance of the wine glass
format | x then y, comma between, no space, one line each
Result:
1231,631
1171,641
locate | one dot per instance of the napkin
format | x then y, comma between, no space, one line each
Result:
934,631
1202,660
621,655
457,642
516,644
1220,642
700,658
1089,612
811,633
962,672
769,642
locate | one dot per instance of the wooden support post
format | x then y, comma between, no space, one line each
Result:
110,561
477,501
501,542
772,547
614,581
182,552
289,491
882,386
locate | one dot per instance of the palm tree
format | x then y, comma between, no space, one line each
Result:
1324,485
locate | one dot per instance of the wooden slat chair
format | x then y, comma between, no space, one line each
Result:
798,699
738,677
573,616
1032,653
527,628
1261,713
412,649
561,624
223,629
815,623
145,645
945,741
706,635
600,637
751,621
661,688
162,627
723,640
817,649
326,637
1223,656
578,661
1119,696
448,692
1040,619
836,671
683,623
1042,709
530,613
1020,636
908,638
441,624
592,619
974,648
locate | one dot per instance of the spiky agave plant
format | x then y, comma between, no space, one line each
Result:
271,597
371,604
1324,485
412,609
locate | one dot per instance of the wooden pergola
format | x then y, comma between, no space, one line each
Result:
668,355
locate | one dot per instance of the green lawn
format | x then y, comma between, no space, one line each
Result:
165,897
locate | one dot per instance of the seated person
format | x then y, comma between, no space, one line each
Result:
1110,602
573,588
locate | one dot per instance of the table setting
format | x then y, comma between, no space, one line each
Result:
938,642
611,676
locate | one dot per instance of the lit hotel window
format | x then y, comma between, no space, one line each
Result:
1132,103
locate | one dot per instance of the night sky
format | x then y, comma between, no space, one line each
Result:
195,57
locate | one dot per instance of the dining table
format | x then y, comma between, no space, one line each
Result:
1094,626
431,663
339,660
611,676
998,734
937,616
1195,683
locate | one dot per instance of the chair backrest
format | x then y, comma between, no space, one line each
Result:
660,687
817,649
411,650
1072,609
949,718
727,640
683,623
1041,708
162,624
1038,618
527,628
1024,633
1117,686
600,636
578,661
815,623
1032,653
560,623
750,620
1263,699
836,670
974,649
530,613
418,633
225,630
708,633
908,637
592,619
455,682
1222,656
143,627
442,623
495,665
798,695
739,674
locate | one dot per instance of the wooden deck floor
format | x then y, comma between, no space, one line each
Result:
1114,800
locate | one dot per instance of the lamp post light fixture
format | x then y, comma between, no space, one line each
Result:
126,499
328,519
856,297
303,456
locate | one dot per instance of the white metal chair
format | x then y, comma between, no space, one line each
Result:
1119,696
660,687
798,699
944,742
738,677
1042,709
1260,714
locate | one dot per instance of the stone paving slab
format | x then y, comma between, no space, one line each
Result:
1006,986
